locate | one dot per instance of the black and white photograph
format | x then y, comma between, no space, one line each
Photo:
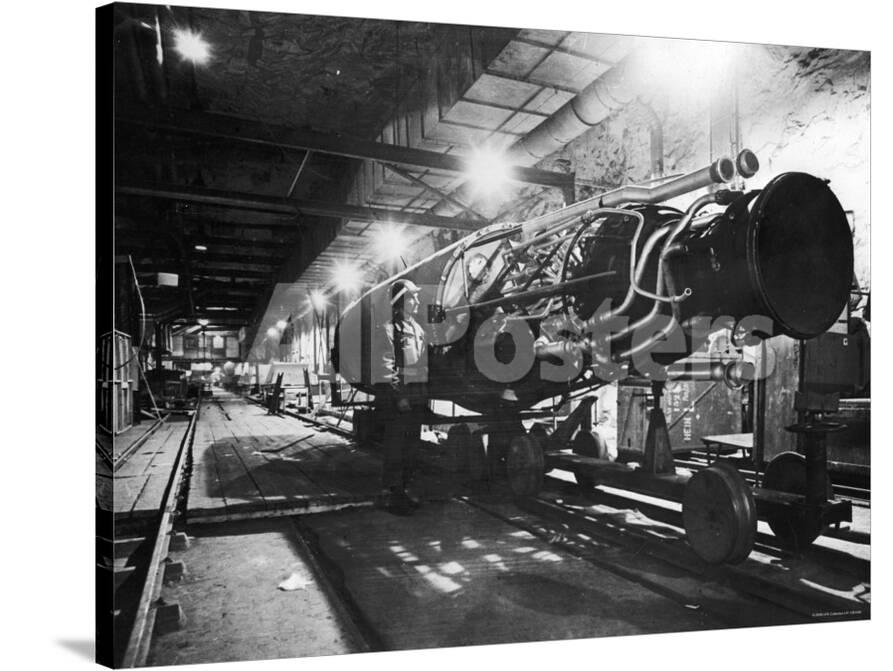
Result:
416,335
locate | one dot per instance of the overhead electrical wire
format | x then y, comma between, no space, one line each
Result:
139,293
142,338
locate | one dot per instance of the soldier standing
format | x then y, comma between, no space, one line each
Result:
400,397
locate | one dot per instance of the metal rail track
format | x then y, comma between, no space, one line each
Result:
139,640
637,555
634,559
858,496
785,604
766,543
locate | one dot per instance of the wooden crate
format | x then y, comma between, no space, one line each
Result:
692,408
115,383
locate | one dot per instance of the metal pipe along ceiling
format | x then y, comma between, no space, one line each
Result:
614,90
609,93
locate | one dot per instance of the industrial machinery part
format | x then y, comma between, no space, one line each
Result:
588,444
794,527
525,465
806,475
466,454
615,286
620,285
500,435
719,514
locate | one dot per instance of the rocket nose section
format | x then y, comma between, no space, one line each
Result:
800,254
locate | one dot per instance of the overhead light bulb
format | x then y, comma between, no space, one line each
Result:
347,277
487,172
273,332
281,324
684,70
191,46
390,242
203,322
318,300
201,248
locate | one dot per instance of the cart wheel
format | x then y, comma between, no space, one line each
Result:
794,529
525,465
719,514
539,433
588,444
499,438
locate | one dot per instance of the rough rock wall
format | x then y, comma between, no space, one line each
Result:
809,110
798,109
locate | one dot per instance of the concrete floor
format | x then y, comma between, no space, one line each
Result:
451,575
234,610
447,576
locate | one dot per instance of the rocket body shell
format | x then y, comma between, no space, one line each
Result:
780,258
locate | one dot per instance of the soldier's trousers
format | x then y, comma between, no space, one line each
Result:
401,439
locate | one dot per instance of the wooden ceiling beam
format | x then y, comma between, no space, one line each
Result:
244,130
144,256
240,267
222,321
221,217
295,207
217,315
216,293
219,242
249,257
208,270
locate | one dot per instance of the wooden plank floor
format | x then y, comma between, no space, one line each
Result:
248,464
125,439
140,482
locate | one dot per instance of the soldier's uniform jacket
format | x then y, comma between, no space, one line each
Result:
404,354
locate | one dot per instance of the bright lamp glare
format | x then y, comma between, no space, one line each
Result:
203,322
487,172
281,324
191,46
318,300
273,332
390,243
346,277
159,51
689,69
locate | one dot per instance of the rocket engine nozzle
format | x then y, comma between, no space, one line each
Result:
784,253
